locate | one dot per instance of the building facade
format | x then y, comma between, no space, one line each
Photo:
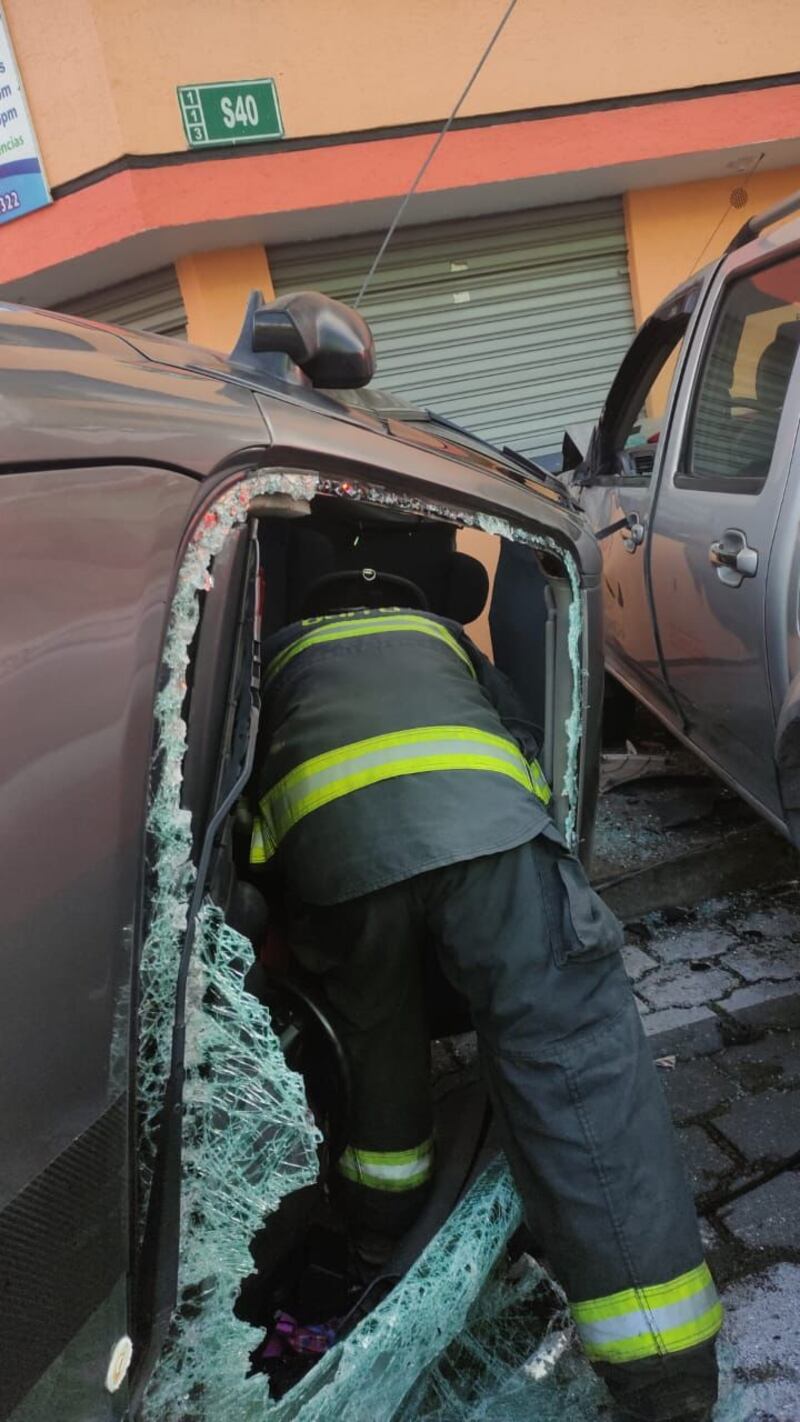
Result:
604,152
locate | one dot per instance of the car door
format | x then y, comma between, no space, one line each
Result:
718,505
618,485
87,560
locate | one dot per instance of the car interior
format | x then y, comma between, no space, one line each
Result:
276,569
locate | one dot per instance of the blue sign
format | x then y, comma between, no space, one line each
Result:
23,187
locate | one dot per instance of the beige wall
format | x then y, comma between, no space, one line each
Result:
101,74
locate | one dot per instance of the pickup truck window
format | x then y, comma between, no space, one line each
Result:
631,423
641,431
743,382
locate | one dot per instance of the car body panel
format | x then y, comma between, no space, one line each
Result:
88,557
713,635
714,660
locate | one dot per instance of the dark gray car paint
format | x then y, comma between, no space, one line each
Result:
105,439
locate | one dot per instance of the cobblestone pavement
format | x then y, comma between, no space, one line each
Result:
718,986
719,989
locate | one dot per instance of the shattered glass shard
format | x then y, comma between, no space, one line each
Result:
248,1140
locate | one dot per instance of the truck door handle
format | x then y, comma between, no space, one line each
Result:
635,534
733,559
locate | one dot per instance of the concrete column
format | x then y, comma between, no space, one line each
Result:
215,287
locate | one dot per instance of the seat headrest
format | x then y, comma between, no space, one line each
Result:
467,588
776,362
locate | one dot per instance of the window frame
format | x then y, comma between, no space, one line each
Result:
750,485
606,458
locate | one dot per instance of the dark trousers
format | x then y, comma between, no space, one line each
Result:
575,1093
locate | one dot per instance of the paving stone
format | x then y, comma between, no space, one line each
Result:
694,945
780,1012
774,1061
636,961
766,1218
756,961
695,1088
772,924
758,993
705,1163
761,1353
669,1018
765,1127
679,987
700,1036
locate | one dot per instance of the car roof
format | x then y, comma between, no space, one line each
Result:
76,391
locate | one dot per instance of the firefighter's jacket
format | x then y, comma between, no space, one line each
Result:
389,746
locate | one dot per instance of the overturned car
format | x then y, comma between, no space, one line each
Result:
172,1100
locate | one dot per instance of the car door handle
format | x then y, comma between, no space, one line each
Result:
733,559
635,534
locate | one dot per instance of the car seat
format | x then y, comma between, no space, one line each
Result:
757,435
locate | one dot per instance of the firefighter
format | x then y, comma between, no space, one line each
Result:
400,796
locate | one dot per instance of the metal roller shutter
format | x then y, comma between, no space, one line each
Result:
148,303
512,325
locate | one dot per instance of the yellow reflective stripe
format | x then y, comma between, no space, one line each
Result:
388,1170
394,740
258,849
327,777
646,1322
419,765
654,1295
541,789
343,630
262,845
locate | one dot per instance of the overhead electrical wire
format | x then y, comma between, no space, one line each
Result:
728,207
432,152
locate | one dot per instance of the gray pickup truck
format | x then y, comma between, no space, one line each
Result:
701,557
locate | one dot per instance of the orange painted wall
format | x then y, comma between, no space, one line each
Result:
101,74
215,287
675,230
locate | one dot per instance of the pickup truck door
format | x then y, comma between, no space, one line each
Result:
620,477
717,509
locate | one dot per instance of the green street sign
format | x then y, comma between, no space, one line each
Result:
245,111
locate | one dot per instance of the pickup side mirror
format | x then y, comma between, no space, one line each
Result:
583,457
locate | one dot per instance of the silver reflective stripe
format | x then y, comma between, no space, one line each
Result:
282,801
654,1320
388,1170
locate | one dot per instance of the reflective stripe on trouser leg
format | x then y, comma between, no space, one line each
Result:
579,1107
420,750
650,1321
393,1170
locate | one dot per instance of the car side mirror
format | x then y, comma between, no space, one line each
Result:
329,342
